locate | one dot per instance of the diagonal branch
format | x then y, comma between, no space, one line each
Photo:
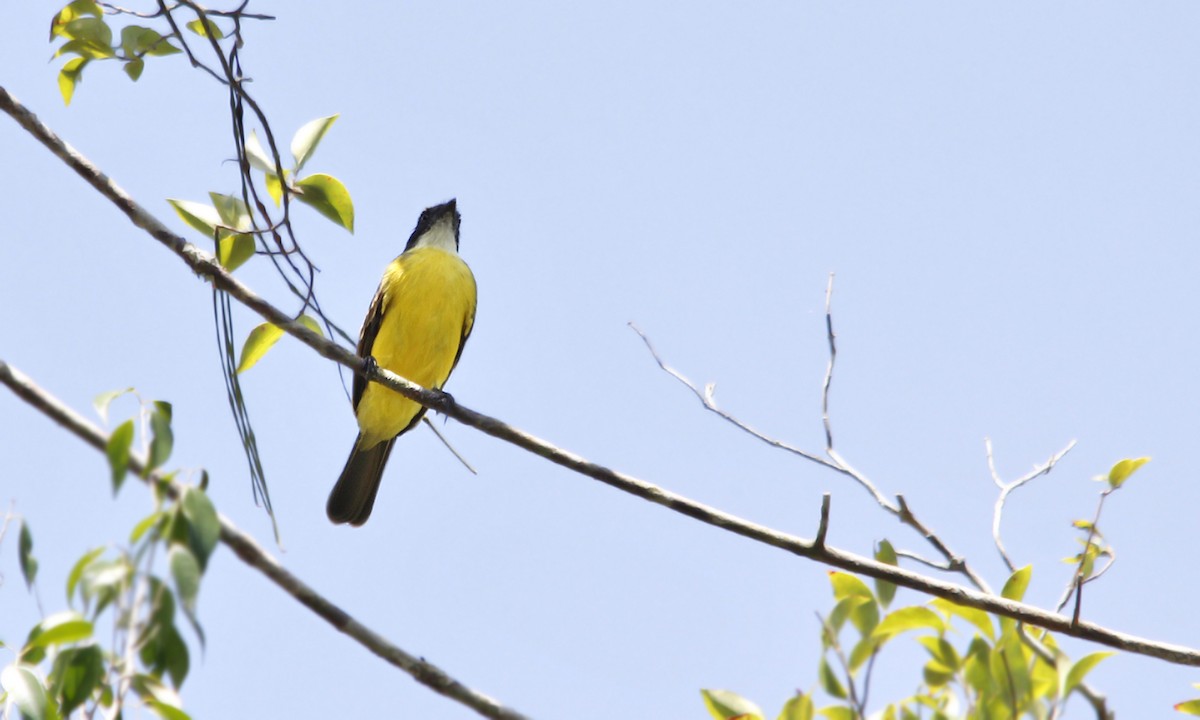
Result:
253,555
206,266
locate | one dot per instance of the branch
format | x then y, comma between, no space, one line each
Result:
1007,488
250,553
206,266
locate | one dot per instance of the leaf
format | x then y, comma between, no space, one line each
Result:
137,40
829,681
76,674
306,139
798,707
204,528
118,452
79,568
909,618
199,216
69,76
837,712
76,9
257,156
205,28
1191,707
162,439
725,704
886,554
258,342
27,691
143,525
134,69
976,617
846,585
328,196
275,188
29,564
232,211
185,571
103,400
1081,668
167,711
234,250
1018,582
59,629
311,324
1123,469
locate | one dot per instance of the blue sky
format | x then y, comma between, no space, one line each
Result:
1006,193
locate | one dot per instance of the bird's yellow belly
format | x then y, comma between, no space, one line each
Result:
429,305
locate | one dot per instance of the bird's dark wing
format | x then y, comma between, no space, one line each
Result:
366,340
468,325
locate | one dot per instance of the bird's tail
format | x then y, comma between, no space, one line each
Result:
354,494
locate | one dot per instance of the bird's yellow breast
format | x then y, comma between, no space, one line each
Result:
428,301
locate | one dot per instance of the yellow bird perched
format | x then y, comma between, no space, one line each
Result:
416,327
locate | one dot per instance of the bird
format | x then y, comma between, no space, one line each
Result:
416,326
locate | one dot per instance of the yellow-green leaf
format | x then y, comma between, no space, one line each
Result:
1081,668
69,76
846,585
328,196
234,250
205,28
909,618
199,216
725,705
1123,469
976,617
257,156
260,340
798,707
306,139
1191,707
1017,583
232,211
76,9
134,69
311,324
117,450
275,188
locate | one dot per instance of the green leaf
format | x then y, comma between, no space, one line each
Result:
886,554
976,617
257,155
29,564
167,711
725,704
311,324
275,188
134,69
79,568
1081,668
153,692
205,28
59,629
232,211
199,216
941,650
27,691
137,40
118,452
306,139
909,618
103,400
830,682
846,585
1018,582
258,342
234,250
798,707
328,196
85,49
89,29
143,525
1191,707
162,439
76,674
76,9
837,712
185,571
69,76
1123,469
863,650
204,528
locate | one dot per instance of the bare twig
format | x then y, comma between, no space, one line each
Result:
1007,488
250,553
823,527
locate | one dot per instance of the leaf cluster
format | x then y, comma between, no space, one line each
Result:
63,665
